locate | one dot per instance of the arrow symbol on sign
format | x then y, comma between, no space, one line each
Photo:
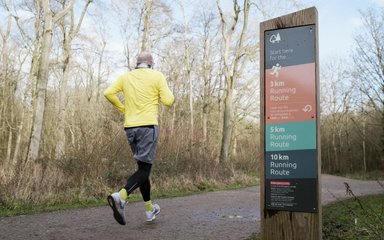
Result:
307,108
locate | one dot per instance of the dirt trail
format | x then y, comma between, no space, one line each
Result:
218,215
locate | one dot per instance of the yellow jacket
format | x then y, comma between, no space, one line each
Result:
142,89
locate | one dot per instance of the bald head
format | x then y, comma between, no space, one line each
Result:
145,57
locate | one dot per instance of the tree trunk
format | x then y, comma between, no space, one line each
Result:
67,55
227,128
9,147
173,118
191,121
62,116
364,150
99,71
206,83
335,155
205,122
382,121
42,79
33,75
234,142
16,153
7,94
231,77
41,88
148,11
188,75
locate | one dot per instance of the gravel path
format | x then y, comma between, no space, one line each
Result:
217,215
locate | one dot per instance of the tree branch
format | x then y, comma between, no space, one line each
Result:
223,23
5,34
81,18
63,12
46,6
243,34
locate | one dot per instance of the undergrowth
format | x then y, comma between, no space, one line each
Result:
92,195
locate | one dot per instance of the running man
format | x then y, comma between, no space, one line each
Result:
143,89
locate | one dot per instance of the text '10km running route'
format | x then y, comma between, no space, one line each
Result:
290,119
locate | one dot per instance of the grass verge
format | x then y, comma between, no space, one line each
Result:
76,201
352,219
361,218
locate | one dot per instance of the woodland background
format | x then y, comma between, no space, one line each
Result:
61,140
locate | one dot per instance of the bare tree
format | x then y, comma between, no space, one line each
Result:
142,24
187,67
50,19
7,92
148,5
207,68
33,45
336,100
68,33
12,60
231,70
369,65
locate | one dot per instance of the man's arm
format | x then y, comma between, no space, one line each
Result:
166,96
110,94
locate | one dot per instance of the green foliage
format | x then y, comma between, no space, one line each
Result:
360,218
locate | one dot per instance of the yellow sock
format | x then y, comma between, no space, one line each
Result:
148,206
123,194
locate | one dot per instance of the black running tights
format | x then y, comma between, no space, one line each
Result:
140,179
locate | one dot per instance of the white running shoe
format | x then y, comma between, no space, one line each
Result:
151,215
117,206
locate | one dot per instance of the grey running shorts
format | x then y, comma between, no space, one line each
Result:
143,142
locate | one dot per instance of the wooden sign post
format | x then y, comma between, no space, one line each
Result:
291,165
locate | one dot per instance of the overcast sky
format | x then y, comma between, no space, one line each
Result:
339,21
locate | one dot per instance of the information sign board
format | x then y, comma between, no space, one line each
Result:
290,119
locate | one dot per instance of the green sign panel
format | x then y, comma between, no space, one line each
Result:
290,136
